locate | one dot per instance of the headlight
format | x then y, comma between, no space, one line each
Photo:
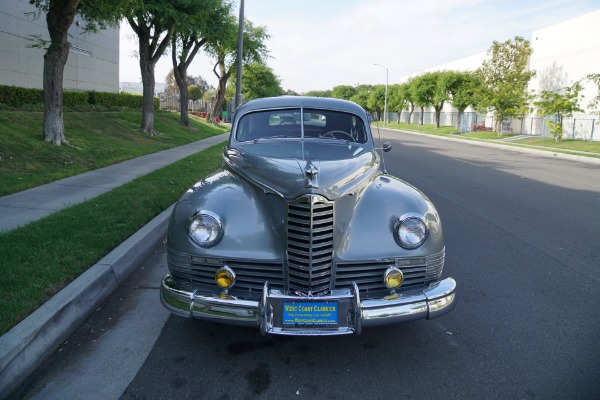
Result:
206,229
411,231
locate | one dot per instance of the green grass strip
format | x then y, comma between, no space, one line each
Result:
96,139
567,146
41,258
429,129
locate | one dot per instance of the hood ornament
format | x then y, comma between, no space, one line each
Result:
311,175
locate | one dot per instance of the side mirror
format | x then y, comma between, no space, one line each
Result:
387,146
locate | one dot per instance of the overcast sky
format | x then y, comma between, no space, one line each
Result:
316,45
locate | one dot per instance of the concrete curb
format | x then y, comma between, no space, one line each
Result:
27,345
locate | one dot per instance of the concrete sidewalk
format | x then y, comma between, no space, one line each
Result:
27,345
21,208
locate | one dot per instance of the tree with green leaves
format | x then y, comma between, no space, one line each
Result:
594,104
429,89
376,101
442,92
505,77
406,93
396,100
200,21
224,50
318,93
344,92
361,97
194,93
259,80
464,87
60,14
562,103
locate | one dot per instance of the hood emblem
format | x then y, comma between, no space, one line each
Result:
311,175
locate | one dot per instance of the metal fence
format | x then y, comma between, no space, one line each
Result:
173,104
583,127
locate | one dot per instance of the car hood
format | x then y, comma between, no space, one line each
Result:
318,173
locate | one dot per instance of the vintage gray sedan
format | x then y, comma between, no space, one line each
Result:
302,232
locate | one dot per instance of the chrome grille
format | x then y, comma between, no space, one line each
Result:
435,265
249,281
369,275
310,244
199,273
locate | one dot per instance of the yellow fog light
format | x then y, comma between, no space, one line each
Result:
225,277
393,278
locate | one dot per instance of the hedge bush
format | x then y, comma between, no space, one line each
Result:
107,99
25,98
73,99
17,96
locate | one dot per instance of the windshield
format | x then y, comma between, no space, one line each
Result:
301,123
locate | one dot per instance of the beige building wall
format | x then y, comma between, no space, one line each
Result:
93,62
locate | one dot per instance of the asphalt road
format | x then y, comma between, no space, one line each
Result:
522,241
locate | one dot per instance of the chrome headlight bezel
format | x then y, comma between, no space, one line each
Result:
212,225
411,231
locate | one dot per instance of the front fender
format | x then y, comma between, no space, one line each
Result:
365,220
253,220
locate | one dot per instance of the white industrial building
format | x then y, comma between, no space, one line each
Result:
562,54
93,62
565,53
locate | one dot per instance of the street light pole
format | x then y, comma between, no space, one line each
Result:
386,90
238,84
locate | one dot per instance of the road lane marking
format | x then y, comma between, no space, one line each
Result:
468,162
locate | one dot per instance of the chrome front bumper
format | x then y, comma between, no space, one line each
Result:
353,314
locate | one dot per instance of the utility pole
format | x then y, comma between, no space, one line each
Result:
238,83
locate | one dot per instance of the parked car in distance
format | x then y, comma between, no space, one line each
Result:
300,232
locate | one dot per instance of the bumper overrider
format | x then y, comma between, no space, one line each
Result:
341,312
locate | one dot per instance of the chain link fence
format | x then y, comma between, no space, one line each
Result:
582,127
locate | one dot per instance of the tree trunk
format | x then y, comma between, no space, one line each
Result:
498,125
184,106
217,105
150,51
411,110
459,120
189,49
438,112
422,116
148,83
558,137
59,18
180,73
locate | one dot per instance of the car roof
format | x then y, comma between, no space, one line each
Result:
300,101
